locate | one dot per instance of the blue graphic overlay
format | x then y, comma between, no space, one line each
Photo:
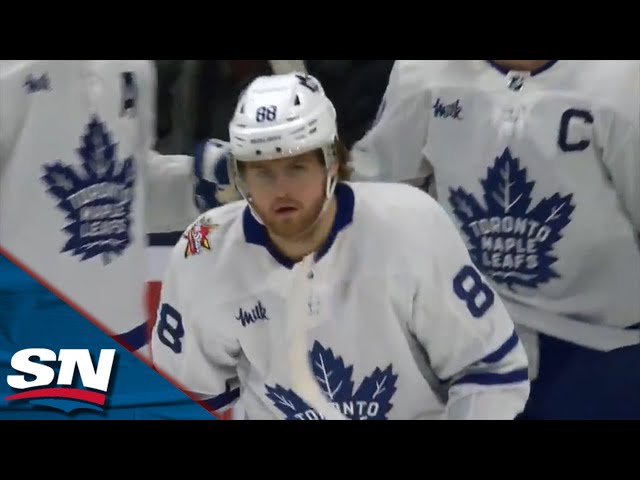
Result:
56,364
371,400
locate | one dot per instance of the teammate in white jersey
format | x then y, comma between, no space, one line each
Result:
80,185
538,162
77,160
398,322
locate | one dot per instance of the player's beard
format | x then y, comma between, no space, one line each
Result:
300,226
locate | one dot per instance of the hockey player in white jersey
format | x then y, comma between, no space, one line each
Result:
77,160
538,162
80,185
373,279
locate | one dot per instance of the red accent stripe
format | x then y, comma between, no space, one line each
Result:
71,393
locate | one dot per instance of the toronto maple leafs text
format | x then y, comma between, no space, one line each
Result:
102,220
509,242
360,410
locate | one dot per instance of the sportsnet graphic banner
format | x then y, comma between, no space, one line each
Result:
56,364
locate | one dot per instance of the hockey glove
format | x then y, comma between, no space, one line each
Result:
213,184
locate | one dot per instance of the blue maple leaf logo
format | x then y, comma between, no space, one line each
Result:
96,198
371,401
508,239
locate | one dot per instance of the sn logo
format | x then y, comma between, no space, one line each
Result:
41,382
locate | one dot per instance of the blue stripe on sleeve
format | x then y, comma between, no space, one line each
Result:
222,400
515,376
135,338
504,350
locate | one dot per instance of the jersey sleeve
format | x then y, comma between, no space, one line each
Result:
392,149
170,200
622,160
466,331
13,107
148,104
201,362
170,205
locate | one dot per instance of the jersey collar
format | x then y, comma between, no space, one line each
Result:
533,73
256,233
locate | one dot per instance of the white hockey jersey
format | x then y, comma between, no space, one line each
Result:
80,185
400,323
540,171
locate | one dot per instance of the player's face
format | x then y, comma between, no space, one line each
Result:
287,193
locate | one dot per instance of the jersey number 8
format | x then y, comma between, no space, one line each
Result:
170,329
470,288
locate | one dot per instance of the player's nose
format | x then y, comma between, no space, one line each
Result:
281,185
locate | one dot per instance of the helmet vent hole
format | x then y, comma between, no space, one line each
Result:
258,152
278,150
297,101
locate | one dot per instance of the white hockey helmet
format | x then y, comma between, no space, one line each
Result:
283,115
280,116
